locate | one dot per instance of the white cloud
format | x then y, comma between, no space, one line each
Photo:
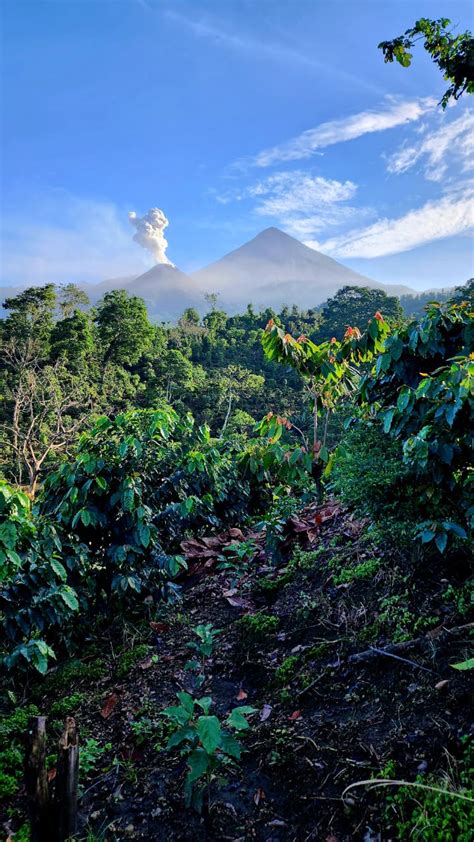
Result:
62,238
303,204
297,192
446,217
453,142
394,113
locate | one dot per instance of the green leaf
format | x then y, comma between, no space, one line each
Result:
209,730
388,418
179,736
198,762
454,527
14,558
68,595
40,662
204,703
236,718
186,701
403,400
324,454
101,482
144,533
58,569
85,517
231,746
396,348
373,329
441,540
464,665
177,714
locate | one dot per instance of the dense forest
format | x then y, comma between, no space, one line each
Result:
235,554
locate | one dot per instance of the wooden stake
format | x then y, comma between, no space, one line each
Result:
66,781
36,781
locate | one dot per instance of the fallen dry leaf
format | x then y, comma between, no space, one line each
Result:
241,695
159,627
259,796
265,712
109,705
239,602
51,774
296,714
442,684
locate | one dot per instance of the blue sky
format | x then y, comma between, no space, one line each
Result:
230,115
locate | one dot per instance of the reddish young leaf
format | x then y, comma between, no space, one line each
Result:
241,695
296,714
109,705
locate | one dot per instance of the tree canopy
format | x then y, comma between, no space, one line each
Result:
454,54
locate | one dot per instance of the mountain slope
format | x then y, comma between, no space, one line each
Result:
275,268
165,289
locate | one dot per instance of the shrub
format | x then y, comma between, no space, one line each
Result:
422,388
108,522
368,475
16,528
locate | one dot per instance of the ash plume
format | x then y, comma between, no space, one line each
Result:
149,233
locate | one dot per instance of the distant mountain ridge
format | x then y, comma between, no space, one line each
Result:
270,270
166,291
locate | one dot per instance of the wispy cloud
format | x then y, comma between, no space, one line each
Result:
453,142
302,203
394,113
446,217
267,48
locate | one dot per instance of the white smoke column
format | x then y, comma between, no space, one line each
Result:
149,233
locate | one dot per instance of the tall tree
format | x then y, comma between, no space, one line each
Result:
72,340
354,306
71,298
123,328
31,318
48,405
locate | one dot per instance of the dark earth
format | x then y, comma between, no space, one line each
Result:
324,721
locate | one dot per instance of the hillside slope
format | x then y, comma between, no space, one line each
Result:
348,681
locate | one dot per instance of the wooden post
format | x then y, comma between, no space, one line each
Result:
52,819
36,781
66,782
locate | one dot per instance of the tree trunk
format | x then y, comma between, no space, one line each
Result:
326,422
315,427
